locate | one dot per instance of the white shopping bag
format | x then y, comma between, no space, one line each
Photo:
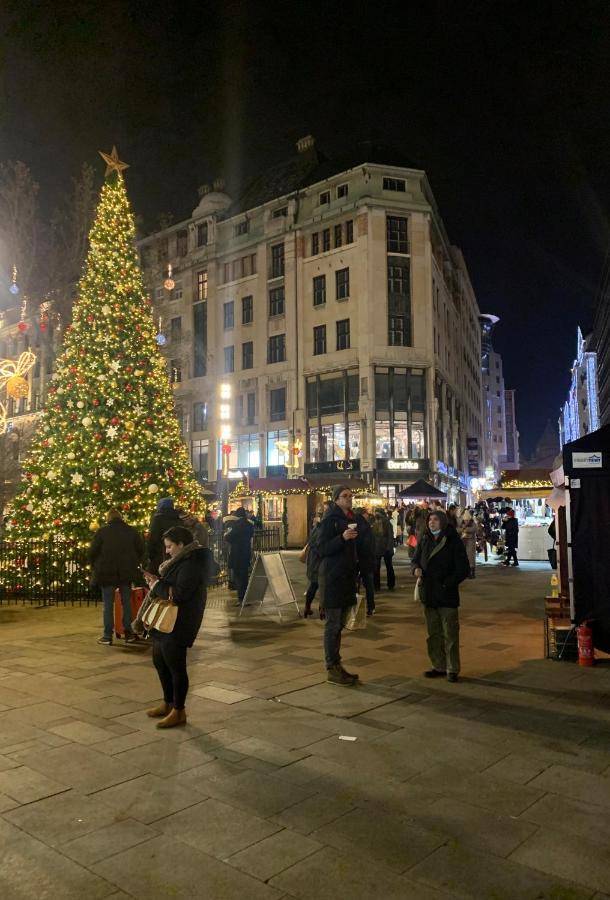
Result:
356,619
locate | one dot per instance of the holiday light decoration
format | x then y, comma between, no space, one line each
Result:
109,431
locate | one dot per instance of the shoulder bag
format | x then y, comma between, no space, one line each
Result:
161,614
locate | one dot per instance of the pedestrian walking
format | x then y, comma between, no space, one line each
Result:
440,563
198,529
183,578
468,533
313,565
481,536
239,537
337,578
165,516
116,555
511,529
384,549
365,552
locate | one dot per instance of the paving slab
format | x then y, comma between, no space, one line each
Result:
259,793
164,868
274,854
108,841
575,784
25,785
80,767
569,856
480,789
148,798
62,818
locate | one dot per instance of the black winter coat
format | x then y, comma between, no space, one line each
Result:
445,571
116,553
188,577
337,572
384,534
155,549
313,555
365,547
239,539
511,527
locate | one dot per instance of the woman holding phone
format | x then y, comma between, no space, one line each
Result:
183,578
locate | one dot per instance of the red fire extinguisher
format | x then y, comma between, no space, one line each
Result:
586,654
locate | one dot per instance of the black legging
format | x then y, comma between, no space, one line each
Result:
169,658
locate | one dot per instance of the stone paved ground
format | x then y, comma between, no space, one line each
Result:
497,787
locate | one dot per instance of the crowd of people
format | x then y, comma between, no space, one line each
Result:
344,555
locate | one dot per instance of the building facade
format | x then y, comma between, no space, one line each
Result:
494,401
600,344
511,461
580,414
330,305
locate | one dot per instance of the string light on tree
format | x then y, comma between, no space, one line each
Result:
110,382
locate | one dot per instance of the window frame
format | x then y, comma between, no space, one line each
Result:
229,357
342,284
247,309
343,335
247,355
318,288
274,302
276,348
319,340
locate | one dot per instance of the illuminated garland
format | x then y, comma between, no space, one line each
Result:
525,485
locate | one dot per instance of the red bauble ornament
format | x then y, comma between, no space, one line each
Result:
120,355
115,420
80,380
52,390
98,435
125,507
95,486
82,352
125,435
43,326
129,387
56,522
45,443
72,370
57,407
171,472
69,386
90,318
23,327
68,328
129,369
95,401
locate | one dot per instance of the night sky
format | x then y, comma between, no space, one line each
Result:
505,105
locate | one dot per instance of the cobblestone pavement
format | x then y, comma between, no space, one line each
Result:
284,786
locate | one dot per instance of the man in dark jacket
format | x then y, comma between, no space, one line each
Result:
239,537
441,564
365,551
116,556
511,528
164,517
384,548
337,578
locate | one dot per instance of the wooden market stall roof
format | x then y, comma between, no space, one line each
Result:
311,484
521,485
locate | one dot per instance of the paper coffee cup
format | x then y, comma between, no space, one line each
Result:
352,525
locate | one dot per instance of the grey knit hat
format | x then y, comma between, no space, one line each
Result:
338,490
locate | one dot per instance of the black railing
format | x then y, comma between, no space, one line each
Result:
49,572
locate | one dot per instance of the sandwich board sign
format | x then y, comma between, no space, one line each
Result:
269,572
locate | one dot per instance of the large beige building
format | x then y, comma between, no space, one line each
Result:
331,301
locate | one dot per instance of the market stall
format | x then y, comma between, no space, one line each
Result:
277,503
526,492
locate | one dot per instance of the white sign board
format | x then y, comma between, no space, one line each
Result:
269,572
590,460
402,464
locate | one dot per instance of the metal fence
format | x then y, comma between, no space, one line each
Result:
50,572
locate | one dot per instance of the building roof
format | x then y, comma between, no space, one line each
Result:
310,167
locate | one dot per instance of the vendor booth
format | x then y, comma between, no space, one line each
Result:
277,503
526,492
586,464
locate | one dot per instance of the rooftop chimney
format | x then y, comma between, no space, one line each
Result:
305,143
219,184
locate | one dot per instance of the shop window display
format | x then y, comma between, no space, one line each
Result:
276,455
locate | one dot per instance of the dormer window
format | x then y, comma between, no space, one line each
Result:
242,228
202,234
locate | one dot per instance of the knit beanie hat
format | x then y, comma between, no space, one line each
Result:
338,490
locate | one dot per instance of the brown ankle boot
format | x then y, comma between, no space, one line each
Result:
175,717
159,711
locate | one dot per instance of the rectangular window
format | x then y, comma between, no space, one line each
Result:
319,340
342,191
159,294
315,244
175,371
200,339
277,261
349,232
236,269
247,355
276,348
182,243
241,228
202,285
177,292
226,272
228,315
325,240
247,310
229,359
319,290
200,416
248,453
342,284
280,213
343,336
277,404
202,234
199,457
397,238
338,235
394,184
250,408
175,328
399,302
324,198
276,456
276,302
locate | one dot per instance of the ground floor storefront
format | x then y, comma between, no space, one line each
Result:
493,787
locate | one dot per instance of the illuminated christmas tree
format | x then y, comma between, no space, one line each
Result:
109,436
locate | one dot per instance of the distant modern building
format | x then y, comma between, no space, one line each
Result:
330,301
600,344
581,413
494,399
510,461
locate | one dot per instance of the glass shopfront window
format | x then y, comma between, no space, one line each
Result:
199,458
232,454
400,404
333,398
354,440
277,447
248,453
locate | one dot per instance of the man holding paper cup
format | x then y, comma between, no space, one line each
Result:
337,577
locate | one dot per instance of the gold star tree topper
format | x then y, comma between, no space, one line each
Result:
113,163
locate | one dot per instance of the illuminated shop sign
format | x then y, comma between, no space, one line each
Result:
401,465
